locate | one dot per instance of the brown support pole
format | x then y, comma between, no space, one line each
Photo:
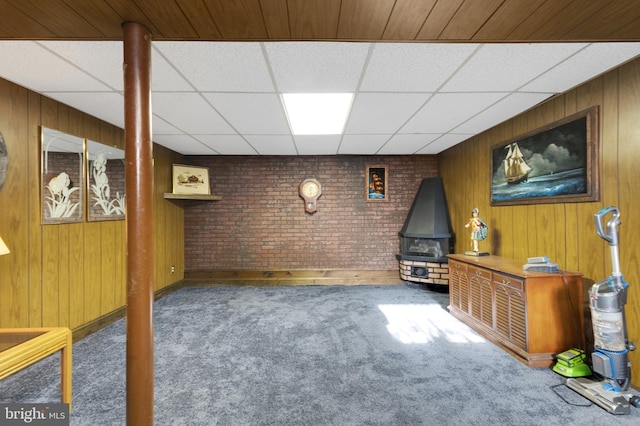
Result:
139,189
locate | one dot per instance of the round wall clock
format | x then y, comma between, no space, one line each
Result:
310,190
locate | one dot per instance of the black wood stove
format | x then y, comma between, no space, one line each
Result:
426,237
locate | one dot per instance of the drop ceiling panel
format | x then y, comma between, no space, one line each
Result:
257,113
444,112
383,112
36,68
501,111
189,112
362,144
272,144
165,77
219,67
317,67
443,142
404,92
413,67
184,144
101,59
399,144
506,67
317,145
586,64
227,144
161,127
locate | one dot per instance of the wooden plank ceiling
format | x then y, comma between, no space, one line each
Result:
345,20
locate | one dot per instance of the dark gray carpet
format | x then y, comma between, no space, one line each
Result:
364,355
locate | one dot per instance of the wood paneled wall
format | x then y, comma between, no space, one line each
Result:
565,232
69,274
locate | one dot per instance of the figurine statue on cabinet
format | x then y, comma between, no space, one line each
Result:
478,233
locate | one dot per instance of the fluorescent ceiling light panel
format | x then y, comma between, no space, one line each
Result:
317,113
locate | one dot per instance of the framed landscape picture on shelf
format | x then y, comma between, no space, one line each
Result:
190,180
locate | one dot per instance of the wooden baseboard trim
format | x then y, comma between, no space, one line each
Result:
91,327
295,277
168,290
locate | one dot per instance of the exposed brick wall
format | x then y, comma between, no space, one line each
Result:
260,223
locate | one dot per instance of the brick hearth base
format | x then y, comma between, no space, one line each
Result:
436,273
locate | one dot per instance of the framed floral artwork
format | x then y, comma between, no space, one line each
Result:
62,163
105,181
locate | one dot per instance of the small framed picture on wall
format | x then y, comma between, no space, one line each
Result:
377,182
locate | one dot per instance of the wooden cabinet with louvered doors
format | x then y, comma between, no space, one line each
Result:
510,308
459,283
480,297
531,315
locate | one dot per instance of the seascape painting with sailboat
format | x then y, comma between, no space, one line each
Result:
553,163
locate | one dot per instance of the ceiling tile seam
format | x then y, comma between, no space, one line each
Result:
461,66
274,82
451,131
204,98
429,143
363,71
226,92
398,131
183,133
246,133
507,94
437,90
516,90
172,65
200,142
73,64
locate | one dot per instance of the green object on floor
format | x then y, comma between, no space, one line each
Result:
571,363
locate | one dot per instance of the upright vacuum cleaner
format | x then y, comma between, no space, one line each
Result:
610,359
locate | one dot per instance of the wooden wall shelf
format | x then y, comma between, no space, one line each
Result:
202,197
531,315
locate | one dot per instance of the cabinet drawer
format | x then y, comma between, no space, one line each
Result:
480,273
455,266
508,281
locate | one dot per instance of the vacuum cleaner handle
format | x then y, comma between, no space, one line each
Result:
611,236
